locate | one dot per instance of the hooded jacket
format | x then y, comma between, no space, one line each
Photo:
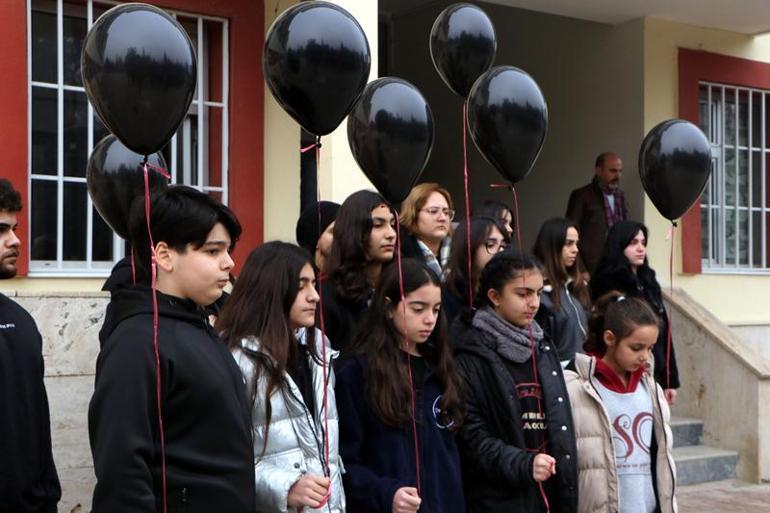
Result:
28,480
208,446
497,470
566,326
597,476
295,439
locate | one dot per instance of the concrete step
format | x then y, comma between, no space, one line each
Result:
701,463
687,432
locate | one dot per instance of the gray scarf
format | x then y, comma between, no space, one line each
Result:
511,342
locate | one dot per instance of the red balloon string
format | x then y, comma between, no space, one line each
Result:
133,267
155,331
467,207
517,220
322,327
408,358
160,170
670,311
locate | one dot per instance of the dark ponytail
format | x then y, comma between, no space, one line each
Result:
619,314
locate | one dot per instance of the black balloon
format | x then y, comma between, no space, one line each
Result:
139,71
508,120
316,63
675,166
390,133
462,45
115,176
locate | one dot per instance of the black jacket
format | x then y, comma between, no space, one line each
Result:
645,287
379,459
209,453
28,480
341,317
497,471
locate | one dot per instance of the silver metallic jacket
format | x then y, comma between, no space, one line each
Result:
295,443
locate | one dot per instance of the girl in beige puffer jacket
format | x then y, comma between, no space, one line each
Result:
621,416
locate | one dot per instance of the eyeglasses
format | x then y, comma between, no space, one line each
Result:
495,246
434,211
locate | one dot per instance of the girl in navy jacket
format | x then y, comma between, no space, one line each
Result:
397,461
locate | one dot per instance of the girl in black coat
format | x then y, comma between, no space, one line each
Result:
516,442
624,267
381,416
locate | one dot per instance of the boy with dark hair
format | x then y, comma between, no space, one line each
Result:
205,413
28,480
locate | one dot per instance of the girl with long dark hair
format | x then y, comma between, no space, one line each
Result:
364,240
624,267
516,441
287,365
388,428
624,441
488,237
565,299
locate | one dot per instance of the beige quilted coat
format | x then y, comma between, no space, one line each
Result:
597,479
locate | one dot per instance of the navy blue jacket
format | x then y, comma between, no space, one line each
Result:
379,459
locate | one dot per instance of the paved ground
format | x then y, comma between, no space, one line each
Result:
724,497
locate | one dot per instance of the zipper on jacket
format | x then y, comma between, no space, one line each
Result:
577,314
313,429
184,499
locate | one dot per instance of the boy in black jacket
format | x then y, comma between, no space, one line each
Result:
28,480
205,415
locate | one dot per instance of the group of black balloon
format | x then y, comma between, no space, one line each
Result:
139,70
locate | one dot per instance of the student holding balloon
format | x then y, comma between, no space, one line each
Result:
268,325
624,267
516,442
400,402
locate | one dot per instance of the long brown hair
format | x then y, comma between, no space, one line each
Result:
380,340
259,307
548,249
348,259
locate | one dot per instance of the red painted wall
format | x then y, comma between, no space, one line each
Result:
694,66
13,110
246,108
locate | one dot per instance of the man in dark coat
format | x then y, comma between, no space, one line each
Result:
596,207
28,480
191,378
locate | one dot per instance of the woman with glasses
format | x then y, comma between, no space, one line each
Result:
565,298
488,237
426,216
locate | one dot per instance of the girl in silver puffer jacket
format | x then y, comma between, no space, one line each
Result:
287,367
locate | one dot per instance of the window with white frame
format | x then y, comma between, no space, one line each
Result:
735,205
67,235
